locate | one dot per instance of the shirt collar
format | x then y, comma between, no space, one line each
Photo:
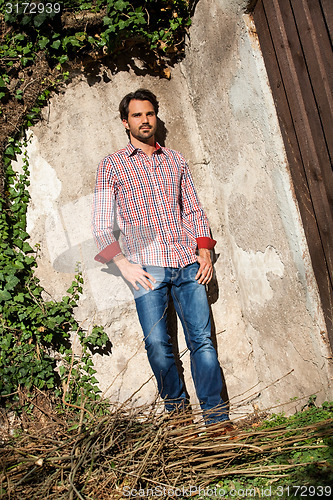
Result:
131,150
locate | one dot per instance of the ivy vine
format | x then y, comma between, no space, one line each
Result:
69,28
36,334
33,329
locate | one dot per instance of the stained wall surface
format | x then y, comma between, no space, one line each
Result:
218,111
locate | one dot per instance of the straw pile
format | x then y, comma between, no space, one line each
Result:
104,457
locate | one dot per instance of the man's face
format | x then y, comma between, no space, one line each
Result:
142,120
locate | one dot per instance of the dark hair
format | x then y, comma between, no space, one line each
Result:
140,95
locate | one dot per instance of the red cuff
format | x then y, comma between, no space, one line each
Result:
205,242
108,253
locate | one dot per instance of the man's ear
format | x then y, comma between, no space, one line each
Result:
125,123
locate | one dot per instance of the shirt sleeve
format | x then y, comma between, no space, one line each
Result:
194,218
103,212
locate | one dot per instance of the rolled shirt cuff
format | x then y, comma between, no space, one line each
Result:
108,253
205,242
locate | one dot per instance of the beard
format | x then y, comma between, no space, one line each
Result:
144,133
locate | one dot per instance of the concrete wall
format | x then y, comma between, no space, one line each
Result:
219,112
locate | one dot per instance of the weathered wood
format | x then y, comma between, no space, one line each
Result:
302,131
318,57
327,9
303,109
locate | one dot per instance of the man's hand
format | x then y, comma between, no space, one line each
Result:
134,273
205,271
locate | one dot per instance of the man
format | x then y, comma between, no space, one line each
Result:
164,247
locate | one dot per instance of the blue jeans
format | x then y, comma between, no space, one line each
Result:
190,301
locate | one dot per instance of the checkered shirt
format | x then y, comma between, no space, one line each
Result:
154,204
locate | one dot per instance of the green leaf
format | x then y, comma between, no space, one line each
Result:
23,234
70,40
73,427
25,60
56,44
63,59
39,19
43,42
10,151
12,281
20,297
26,247
4,295
29,260
20,37
122,24
80,36
120,5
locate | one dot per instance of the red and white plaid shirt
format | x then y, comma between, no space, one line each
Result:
154,203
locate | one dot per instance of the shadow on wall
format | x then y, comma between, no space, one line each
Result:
117,292
138,59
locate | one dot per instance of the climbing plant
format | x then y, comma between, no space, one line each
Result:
33,329
68,28
39,43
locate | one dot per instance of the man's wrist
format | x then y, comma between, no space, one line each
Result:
120,260
206,255
204,251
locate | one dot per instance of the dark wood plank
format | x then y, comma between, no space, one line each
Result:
304,114
318,56
296,165
327,8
